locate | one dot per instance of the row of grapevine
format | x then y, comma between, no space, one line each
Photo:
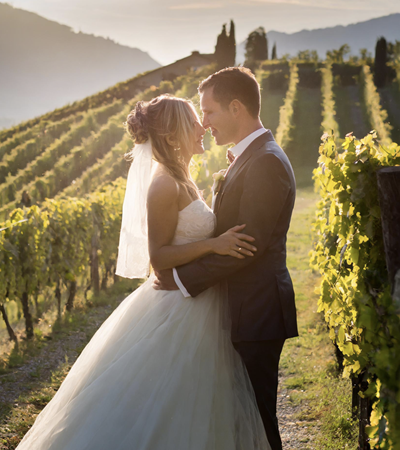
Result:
68,167
106,169
283,132
55,245
7,145
329,122
377,115
21,155
51,155
354,293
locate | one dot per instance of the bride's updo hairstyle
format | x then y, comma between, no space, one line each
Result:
168,122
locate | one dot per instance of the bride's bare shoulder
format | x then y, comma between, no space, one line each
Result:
163,188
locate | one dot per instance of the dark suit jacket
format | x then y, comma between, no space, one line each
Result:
260,192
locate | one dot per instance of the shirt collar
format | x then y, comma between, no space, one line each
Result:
240,147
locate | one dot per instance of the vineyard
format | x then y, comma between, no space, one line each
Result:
62,180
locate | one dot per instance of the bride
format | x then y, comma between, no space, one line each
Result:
161,372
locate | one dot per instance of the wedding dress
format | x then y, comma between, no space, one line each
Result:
159,374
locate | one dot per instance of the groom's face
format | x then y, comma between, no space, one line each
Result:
219,119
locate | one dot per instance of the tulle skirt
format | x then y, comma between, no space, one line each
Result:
159,374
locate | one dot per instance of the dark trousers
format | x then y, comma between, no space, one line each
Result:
261,359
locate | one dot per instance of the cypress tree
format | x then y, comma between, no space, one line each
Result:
221,49
232,45
273,56
225,50
380,67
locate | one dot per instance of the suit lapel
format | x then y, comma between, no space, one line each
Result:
240,163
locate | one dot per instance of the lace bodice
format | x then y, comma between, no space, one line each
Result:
195,223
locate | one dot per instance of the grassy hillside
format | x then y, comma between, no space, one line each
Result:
58,66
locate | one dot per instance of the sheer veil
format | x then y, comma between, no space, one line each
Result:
133,254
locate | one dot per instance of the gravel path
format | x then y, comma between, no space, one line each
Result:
295,433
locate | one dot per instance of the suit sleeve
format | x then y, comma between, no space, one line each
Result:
265,191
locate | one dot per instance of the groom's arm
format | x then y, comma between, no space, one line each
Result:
265,190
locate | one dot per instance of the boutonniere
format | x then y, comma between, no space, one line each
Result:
219,179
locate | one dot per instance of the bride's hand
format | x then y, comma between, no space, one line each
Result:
234,243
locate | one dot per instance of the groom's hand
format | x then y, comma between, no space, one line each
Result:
165,281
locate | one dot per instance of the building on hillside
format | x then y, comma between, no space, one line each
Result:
171,71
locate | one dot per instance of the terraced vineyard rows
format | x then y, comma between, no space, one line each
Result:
30,175
17,157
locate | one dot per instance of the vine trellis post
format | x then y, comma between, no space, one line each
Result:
389,199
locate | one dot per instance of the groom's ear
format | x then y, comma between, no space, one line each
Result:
235,107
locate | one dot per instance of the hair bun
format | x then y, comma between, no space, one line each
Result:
136,123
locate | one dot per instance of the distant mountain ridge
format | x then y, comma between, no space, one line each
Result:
358,35
45,65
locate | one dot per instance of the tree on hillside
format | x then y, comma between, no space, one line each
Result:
274,56
232,45
380,66
309,56
225,50
393,50
256,47
337,56
365,57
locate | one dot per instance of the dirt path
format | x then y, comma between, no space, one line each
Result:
297,431
295,434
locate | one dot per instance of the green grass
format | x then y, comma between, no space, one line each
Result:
271,101
306,134
351,114
322,397
393,109
16,419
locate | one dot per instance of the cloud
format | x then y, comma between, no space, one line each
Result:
192,6
345,5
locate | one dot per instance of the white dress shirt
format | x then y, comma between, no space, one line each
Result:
237,150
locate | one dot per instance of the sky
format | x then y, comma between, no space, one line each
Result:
171,29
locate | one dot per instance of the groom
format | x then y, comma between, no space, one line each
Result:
259,191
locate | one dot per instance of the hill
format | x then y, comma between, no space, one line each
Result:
358,35
45,65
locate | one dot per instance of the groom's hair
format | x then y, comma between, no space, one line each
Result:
234,83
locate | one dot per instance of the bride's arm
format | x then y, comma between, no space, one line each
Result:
162,207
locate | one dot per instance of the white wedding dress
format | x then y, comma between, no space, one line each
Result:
160,374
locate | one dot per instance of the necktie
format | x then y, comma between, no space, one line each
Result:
230,157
